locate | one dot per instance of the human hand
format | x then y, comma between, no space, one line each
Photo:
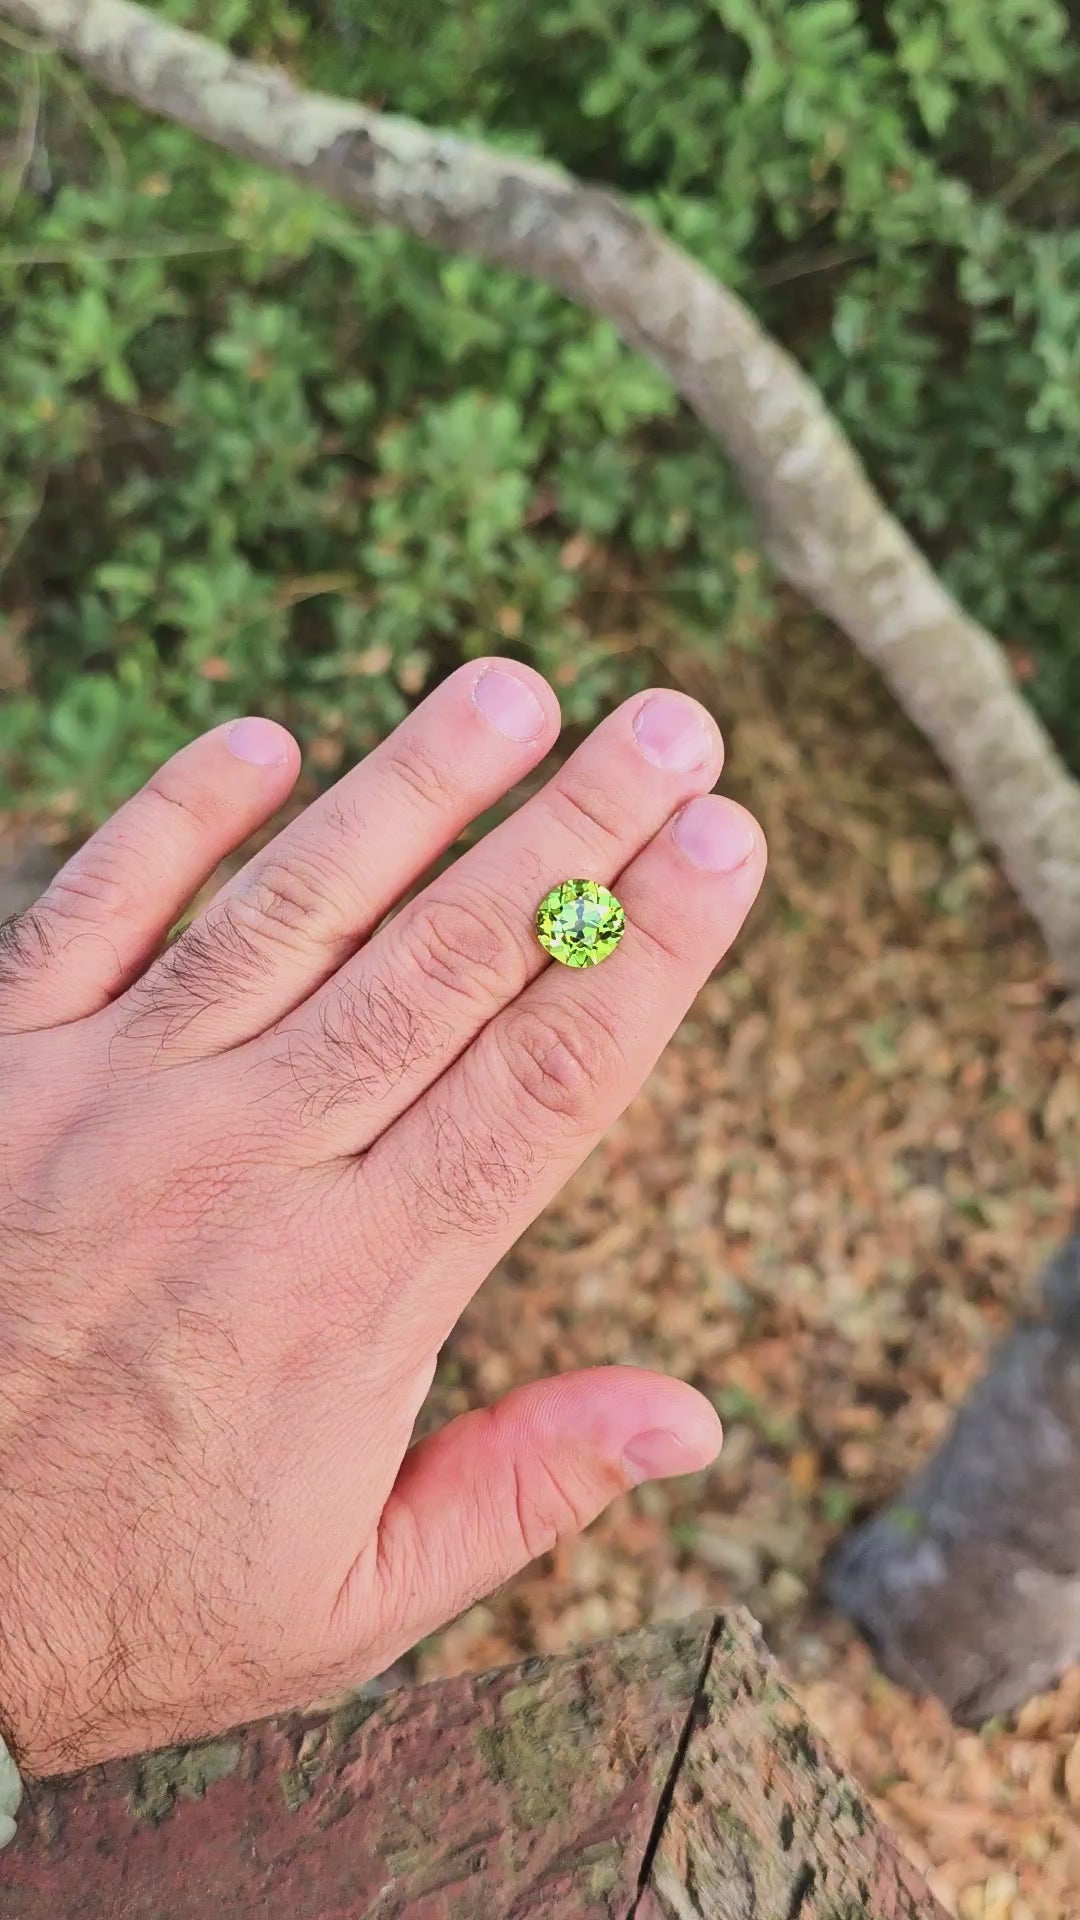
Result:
248,1184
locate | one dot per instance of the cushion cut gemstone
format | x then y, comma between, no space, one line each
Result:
579,923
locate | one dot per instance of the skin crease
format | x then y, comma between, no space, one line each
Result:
249,1181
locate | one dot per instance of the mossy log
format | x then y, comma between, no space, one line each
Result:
668,1775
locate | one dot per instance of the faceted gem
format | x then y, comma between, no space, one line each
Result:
579,923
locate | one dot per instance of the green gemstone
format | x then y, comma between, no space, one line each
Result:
579,923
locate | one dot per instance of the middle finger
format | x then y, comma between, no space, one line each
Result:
396,1016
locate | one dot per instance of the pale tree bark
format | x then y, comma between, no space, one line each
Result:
820,520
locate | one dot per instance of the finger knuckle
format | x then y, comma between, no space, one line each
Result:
556,1059
101,885
366,1039
179,804
547,1508
473,1178
411,766
214,956
661,942
286,901
589,813
466,949
342,821
104,886
377,1030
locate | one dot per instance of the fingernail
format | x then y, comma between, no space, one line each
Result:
714,834
658,1453
672,732
510,705
262,743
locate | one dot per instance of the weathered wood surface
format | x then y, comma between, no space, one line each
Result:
664,1776
761,1823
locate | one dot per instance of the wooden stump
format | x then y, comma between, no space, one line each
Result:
668,1775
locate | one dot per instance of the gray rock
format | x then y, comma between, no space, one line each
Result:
968,1585
23,880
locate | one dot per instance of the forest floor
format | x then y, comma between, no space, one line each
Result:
829,1202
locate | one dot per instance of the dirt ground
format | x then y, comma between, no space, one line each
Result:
830,1200
826,1206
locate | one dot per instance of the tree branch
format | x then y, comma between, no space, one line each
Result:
820,520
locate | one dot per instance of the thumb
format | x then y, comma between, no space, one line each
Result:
477,1501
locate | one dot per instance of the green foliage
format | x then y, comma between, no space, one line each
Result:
256,456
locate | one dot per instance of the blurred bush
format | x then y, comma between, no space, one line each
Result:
256,456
